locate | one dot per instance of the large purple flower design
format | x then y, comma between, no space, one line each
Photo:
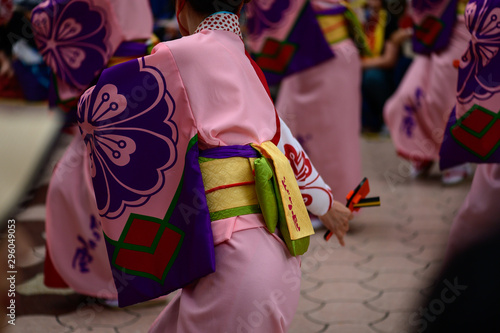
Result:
76,38
265,14
126,124
479,75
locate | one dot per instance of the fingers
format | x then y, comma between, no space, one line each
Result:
337,221
340,238
342,231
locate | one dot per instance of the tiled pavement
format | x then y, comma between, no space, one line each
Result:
373,284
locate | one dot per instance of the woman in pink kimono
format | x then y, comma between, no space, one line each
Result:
78,39
472,129
322,104
416,114
203,102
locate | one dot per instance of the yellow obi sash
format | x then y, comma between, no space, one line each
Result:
229,187
335,27
241,180
340,23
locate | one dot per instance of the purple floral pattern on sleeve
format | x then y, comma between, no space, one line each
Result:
74,38
126,124
479,75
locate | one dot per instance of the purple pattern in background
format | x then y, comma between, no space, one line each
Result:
429,10
453,154
408,122
265,14
73,38
311,47
479,75
129,134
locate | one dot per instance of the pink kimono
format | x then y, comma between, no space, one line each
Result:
479,215
322,107
76,253
417,112
256,283
204,88
472,130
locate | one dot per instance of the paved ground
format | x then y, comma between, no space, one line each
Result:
374,284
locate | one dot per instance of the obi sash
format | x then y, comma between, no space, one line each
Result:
334,25
242,180
340,23
228,176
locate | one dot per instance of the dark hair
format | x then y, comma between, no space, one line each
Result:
212,6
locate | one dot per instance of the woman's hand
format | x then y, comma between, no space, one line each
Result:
386,60
337,220
400,35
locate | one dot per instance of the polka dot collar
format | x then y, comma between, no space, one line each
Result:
221,21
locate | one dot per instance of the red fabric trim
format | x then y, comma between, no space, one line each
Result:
263,80
52,278
276,138
259,73
228,186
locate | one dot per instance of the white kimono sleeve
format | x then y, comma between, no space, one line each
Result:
316,193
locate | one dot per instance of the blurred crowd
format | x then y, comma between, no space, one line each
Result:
24,74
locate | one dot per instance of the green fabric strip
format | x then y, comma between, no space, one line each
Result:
264,186
204,159
237,211
357,32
